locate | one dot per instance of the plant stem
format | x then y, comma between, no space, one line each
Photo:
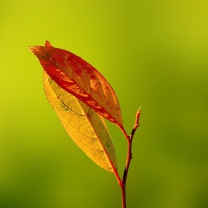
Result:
123,192
128,158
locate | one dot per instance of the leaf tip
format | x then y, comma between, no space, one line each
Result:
37,49
47,44
33,49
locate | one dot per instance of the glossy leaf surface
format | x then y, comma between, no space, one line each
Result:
85,127
80,79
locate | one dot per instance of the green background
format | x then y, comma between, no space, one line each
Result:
154,54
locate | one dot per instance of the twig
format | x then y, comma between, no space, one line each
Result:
129,157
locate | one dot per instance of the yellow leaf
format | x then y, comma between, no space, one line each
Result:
85,127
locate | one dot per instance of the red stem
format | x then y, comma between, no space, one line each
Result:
128,158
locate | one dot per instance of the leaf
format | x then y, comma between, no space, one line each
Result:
80,79
85,127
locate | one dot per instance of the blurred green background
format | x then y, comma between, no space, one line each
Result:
154,54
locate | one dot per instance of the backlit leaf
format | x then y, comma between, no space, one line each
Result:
80,79
85,127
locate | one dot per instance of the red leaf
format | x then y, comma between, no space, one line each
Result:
82,80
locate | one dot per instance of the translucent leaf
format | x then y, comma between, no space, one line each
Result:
85,127
80,79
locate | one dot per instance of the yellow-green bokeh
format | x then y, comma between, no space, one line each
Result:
154,54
